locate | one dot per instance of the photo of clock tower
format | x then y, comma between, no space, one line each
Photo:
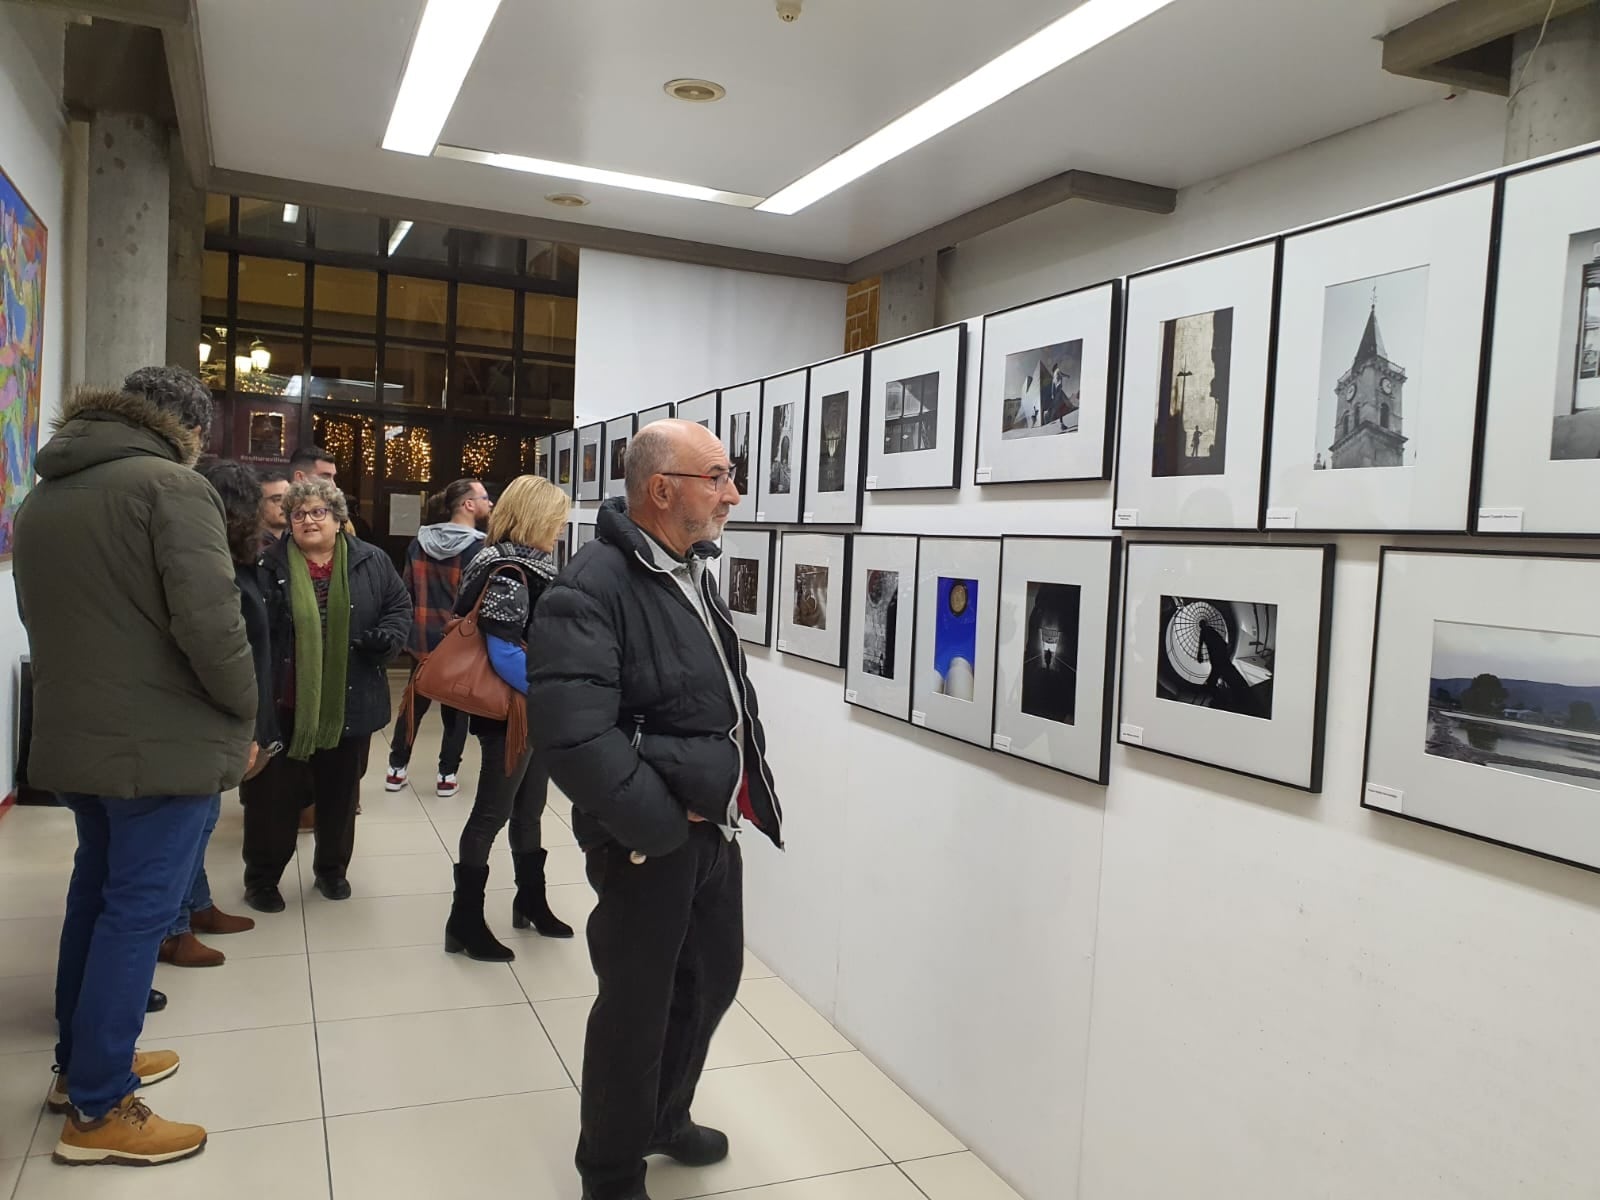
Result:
1369,429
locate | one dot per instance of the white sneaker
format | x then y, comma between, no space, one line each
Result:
395,780
446,786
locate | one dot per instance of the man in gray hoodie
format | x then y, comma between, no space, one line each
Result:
434,562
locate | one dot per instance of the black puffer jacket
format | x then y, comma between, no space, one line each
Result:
378,600
629,703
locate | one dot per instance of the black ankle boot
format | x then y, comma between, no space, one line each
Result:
466,931
530,907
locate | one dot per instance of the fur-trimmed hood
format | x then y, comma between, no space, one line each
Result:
99,425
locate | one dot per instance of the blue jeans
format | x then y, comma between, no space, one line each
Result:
199,886
135,863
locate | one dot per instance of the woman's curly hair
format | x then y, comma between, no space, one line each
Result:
241,505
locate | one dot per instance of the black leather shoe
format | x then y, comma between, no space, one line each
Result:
267,900
334,887
696,1146
157,1001
638,1194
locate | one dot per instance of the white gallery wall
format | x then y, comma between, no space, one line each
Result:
35,150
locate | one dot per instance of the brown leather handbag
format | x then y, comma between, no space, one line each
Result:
458,673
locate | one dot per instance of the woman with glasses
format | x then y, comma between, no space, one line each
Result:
338,615
510,573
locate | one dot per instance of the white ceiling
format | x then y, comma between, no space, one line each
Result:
302,89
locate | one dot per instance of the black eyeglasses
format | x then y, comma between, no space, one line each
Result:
717,479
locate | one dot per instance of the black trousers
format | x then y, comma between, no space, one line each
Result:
450,750
667,942
330,779
518,797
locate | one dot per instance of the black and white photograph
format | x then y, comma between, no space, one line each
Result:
882,600
1225,653
1042,391
746,581
1050,652
810,596
1371,387
1191,431
1376,386
813,620
1218,654
779,473
619,454
1520,700
958,606
739,450
880,626
1053,668
1576,430
911,420
835,433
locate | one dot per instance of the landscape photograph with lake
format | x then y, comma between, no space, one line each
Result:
1522,700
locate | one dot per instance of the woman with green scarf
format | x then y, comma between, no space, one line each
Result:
339,614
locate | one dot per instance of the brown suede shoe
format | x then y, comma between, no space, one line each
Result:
214,920
151,1066
186,950
130,1135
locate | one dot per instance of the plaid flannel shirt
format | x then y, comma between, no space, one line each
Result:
433,584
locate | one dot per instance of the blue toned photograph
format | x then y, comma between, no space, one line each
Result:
955,638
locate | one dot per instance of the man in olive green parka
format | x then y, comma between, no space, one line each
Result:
144,706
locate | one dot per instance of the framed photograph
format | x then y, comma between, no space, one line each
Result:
582,534
562,551
619,432
958,602
835,421
1541,475
702,410
661,412
563,464
1485,695
1225,655
1196,380
914,404
542,457
24,243
591,452
783,434
1045,391
811,609
748,561
1375,400
1053,657
883,609
741,434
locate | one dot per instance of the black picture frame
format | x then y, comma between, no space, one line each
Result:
857,479
769,584
934,477
590,435
841,643
615,483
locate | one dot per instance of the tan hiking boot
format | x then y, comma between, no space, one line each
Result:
130,1135
151,1066
186,950
214,920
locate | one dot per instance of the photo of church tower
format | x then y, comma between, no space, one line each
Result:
1371,348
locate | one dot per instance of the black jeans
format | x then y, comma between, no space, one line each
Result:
519,797
330,779
450,750
667,942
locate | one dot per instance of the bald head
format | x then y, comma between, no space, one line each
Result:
680,487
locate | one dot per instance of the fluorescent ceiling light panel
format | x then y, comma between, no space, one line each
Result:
560,170
291,213
398,236
1081,30
447,41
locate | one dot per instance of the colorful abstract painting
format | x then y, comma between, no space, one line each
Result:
22,268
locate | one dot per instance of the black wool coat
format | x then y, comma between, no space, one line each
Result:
630,705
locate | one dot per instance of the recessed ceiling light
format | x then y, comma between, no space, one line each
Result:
582,174
695,91
1082,29
567,199
446,42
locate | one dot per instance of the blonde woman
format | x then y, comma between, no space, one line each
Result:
338,615
511,572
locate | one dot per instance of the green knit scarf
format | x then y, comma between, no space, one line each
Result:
319,678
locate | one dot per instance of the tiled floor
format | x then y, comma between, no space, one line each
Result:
341,1053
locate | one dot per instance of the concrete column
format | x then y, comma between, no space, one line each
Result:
125,323
1555,91
186,247
906,298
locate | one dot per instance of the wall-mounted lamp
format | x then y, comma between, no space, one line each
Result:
242,364
205,349
260,356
